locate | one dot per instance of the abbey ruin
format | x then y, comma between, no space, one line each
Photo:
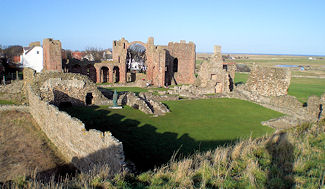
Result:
64,82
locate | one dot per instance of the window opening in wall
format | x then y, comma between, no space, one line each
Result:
119,59
114,43
136,58
225,67
37,52
89,99
123,45
175,65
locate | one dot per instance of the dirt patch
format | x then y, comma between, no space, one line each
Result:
25,150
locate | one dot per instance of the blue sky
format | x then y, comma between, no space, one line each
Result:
251,26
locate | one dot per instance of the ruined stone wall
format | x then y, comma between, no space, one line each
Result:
52,58
159,61
267,81
212,77
57,87
157,67
285,104
85,149
119,51
186,57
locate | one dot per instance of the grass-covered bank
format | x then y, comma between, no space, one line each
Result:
192,125
292,158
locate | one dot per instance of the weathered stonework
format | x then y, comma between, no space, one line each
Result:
13,92
285,104
52,58
267,81
85,149
58,87
143,103
214,76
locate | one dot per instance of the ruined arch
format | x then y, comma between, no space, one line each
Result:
135,42
116,74
104,73
136,57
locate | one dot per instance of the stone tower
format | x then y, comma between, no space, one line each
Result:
52,59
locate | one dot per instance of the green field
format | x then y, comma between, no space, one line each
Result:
192,125
6,102
301,88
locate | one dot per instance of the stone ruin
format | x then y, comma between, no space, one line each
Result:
52,57
163,65
86,150
268,87
214,76
268,81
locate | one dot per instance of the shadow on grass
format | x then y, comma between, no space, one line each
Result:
280,174
142,144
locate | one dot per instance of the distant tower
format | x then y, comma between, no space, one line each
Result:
52,59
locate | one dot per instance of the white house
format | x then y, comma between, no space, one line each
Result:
32,57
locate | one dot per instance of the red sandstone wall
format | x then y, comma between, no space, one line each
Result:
52,58
186,55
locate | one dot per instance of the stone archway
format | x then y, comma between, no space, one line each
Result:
104,73
136,61
116,74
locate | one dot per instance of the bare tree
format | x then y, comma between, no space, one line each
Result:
94,54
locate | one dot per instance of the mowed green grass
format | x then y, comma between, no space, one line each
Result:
6,102
192,125
301,88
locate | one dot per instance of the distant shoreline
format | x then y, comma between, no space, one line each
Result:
266,54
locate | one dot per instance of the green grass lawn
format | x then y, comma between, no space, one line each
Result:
301,88
6,102
192,125
241,77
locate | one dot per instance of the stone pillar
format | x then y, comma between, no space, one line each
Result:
110,75
52,59
97,75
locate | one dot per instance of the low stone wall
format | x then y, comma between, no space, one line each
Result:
312,111
85,149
